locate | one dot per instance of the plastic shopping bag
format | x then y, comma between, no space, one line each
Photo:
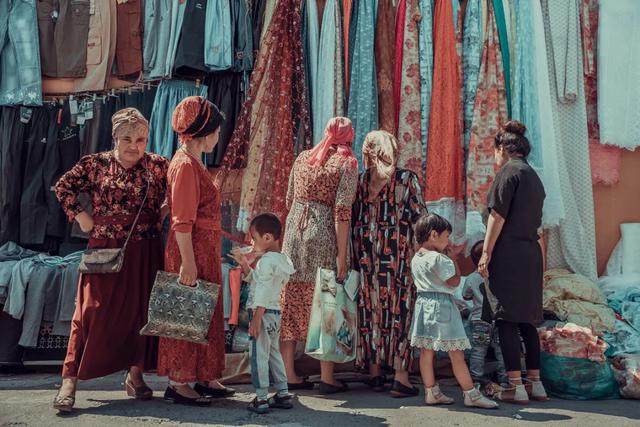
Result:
332,335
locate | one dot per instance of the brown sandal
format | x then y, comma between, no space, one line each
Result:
64,404
140,393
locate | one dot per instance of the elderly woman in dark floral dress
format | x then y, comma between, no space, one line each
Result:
112,308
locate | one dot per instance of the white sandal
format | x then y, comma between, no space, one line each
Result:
435,397
474,399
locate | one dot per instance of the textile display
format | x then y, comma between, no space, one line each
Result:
333,335
384,60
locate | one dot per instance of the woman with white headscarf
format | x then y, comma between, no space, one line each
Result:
388,202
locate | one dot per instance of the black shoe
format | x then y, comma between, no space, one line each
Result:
376,383
304,385
400,390
326,389
214,393
171,395
281,402
259,406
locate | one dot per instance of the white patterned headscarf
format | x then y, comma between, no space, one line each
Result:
380,152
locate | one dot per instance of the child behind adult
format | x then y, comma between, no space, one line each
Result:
437,325
271,272
483,334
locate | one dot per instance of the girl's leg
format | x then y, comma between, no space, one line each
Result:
288,351
460,370
426,368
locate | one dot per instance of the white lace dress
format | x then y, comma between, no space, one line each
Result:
619,73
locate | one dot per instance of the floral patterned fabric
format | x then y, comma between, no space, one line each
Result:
489,113
195,208
409,114
270,119
384,52
317,197
444,189
363,96
382,244
116,192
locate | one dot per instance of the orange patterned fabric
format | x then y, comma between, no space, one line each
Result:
195,208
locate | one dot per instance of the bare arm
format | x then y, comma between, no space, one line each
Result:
455,280
342,234
494,228
188,270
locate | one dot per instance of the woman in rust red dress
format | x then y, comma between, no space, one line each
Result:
111,308
194,251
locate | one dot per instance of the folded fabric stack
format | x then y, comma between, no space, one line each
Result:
571,340
574,298
626,369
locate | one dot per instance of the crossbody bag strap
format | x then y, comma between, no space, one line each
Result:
135,221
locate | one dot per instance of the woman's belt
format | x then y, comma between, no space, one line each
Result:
124,219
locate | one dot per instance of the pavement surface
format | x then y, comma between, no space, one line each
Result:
25,400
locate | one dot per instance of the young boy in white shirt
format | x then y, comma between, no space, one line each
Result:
271,272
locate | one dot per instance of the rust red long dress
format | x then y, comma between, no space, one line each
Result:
195,208
112,308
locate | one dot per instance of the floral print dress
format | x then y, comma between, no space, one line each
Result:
383,240
318,197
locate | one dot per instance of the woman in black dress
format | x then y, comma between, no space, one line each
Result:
512,260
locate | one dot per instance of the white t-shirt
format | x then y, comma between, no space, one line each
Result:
271,273
431,270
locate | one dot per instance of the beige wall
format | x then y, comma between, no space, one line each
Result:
615,205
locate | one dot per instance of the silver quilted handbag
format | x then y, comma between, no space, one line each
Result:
181,312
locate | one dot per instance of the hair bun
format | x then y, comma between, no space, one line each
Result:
514,126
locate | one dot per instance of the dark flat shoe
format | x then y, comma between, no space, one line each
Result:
281,402
326,389
399,390
376,383
304,385
139,393
214,393
172,396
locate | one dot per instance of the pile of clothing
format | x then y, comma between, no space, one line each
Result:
570,340
574,298
626,368
37,288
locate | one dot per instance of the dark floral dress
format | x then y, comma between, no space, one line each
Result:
383,241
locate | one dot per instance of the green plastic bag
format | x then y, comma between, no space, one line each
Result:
577,379
333,335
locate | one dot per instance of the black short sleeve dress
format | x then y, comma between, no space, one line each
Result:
515,270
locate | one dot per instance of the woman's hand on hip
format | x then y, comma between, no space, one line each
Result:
188,274
85,221
483,264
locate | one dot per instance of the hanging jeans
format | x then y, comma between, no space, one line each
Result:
12,132
20,80
218,37
42,162
63,27
162,139
162,27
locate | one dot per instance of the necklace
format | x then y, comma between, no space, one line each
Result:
189,153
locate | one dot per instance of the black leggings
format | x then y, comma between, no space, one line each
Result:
509,334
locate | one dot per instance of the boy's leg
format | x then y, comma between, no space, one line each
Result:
480,341
276,364
259,351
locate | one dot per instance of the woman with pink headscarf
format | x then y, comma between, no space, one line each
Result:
322,189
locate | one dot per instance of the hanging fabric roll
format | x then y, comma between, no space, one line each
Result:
502,24
471,53
572,244
408,78
532,104
444,183
311,40
218,37
347,10
426,71
489,112
325,104
363,96
266,127
619,73
384,52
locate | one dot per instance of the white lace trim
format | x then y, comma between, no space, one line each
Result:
440,345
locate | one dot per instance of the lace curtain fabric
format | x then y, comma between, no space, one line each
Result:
572,243
619,73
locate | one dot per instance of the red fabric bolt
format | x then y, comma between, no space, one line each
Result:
339,132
